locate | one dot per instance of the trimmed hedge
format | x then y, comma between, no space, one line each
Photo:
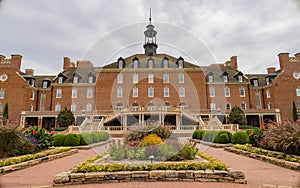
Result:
223,137
79,139
198,134
240,137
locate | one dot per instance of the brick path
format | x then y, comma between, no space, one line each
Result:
258,173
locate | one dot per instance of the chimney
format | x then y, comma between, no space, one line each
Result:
283,58
16,60
271,70
29,72
2,58
233,61
297,55
67,63
83,63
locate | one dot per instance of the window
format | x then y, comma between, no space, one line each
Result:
150,92
268,93
74,93
240,78
242,92
297,92
255,83
257,100
135,92
120,64
30,108
135,78
136,64
227,92
120,78
73,107
181,78
165,63
119,92
60,80
0,108
298,105
166,78
75,80
180,64
225,78
150,78
150,63
31,82
57,107
267,80
166,92
2,94
227,106
91,79
89,93
58,93
181,92
213,106
243,106
269,106
32,95
211,91
119,106
45,84
210,78
88,107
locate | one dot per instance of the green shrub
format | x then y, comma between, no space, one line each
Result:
209,136
85,138
255,136
11,140
117,152
99,136
72,140
240,137
59,139
198,134
60,128
44,138
223,137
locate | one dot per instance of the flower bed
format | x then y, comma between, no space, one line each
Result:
277,158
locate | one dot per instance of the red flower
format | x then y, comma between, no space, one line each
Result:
52,132
34,132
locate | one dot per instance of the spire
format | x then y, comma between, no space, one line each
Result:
150,45
150,16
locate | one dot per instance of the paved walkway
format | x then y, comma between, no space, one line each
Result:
258,173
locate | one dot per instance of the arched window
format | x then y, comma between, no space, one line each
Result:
150,63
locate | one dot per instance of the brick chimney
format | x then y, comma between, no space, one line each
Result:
2,58
283,59
67,63
271,70
84,63
29,72
297,55
233,62
16,60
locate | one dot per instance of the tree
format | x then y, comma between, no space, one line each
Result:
237,116
65,118
5,114
295,113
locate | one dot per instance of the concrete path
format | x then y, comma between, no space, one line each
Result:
258,173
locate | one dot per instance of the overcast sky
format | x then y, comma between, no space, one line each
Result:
202,31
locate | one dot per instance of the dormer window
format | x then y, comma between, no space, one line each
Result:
225,77
31,82
240,78
135,63
75,80
255,83
91,78
45,84
165,63
120,63
150,63
60,79
268,80
210,77
180,62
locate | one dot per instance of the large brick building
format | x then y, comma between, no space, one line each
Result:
149,87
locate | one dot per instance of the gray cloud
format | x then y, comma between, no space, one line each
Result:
46,31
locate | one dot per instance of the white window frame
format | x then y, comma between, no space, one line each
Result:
298,92
73,107
244,106
267,80
268,94
57,107
180,64
213,106
242,92
150,78
120,64
120,78
181,78
166,78
88,107
135,78
165,63
135,92
2,94
225,78
166,92
150,64
89,93
74,93
91,79
32,95
150,92
227,91
136,64
269,105
45,84
58,93
255,83
212,92
30,107
60,80
75,80
119,92
181,91
240,77
210,78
